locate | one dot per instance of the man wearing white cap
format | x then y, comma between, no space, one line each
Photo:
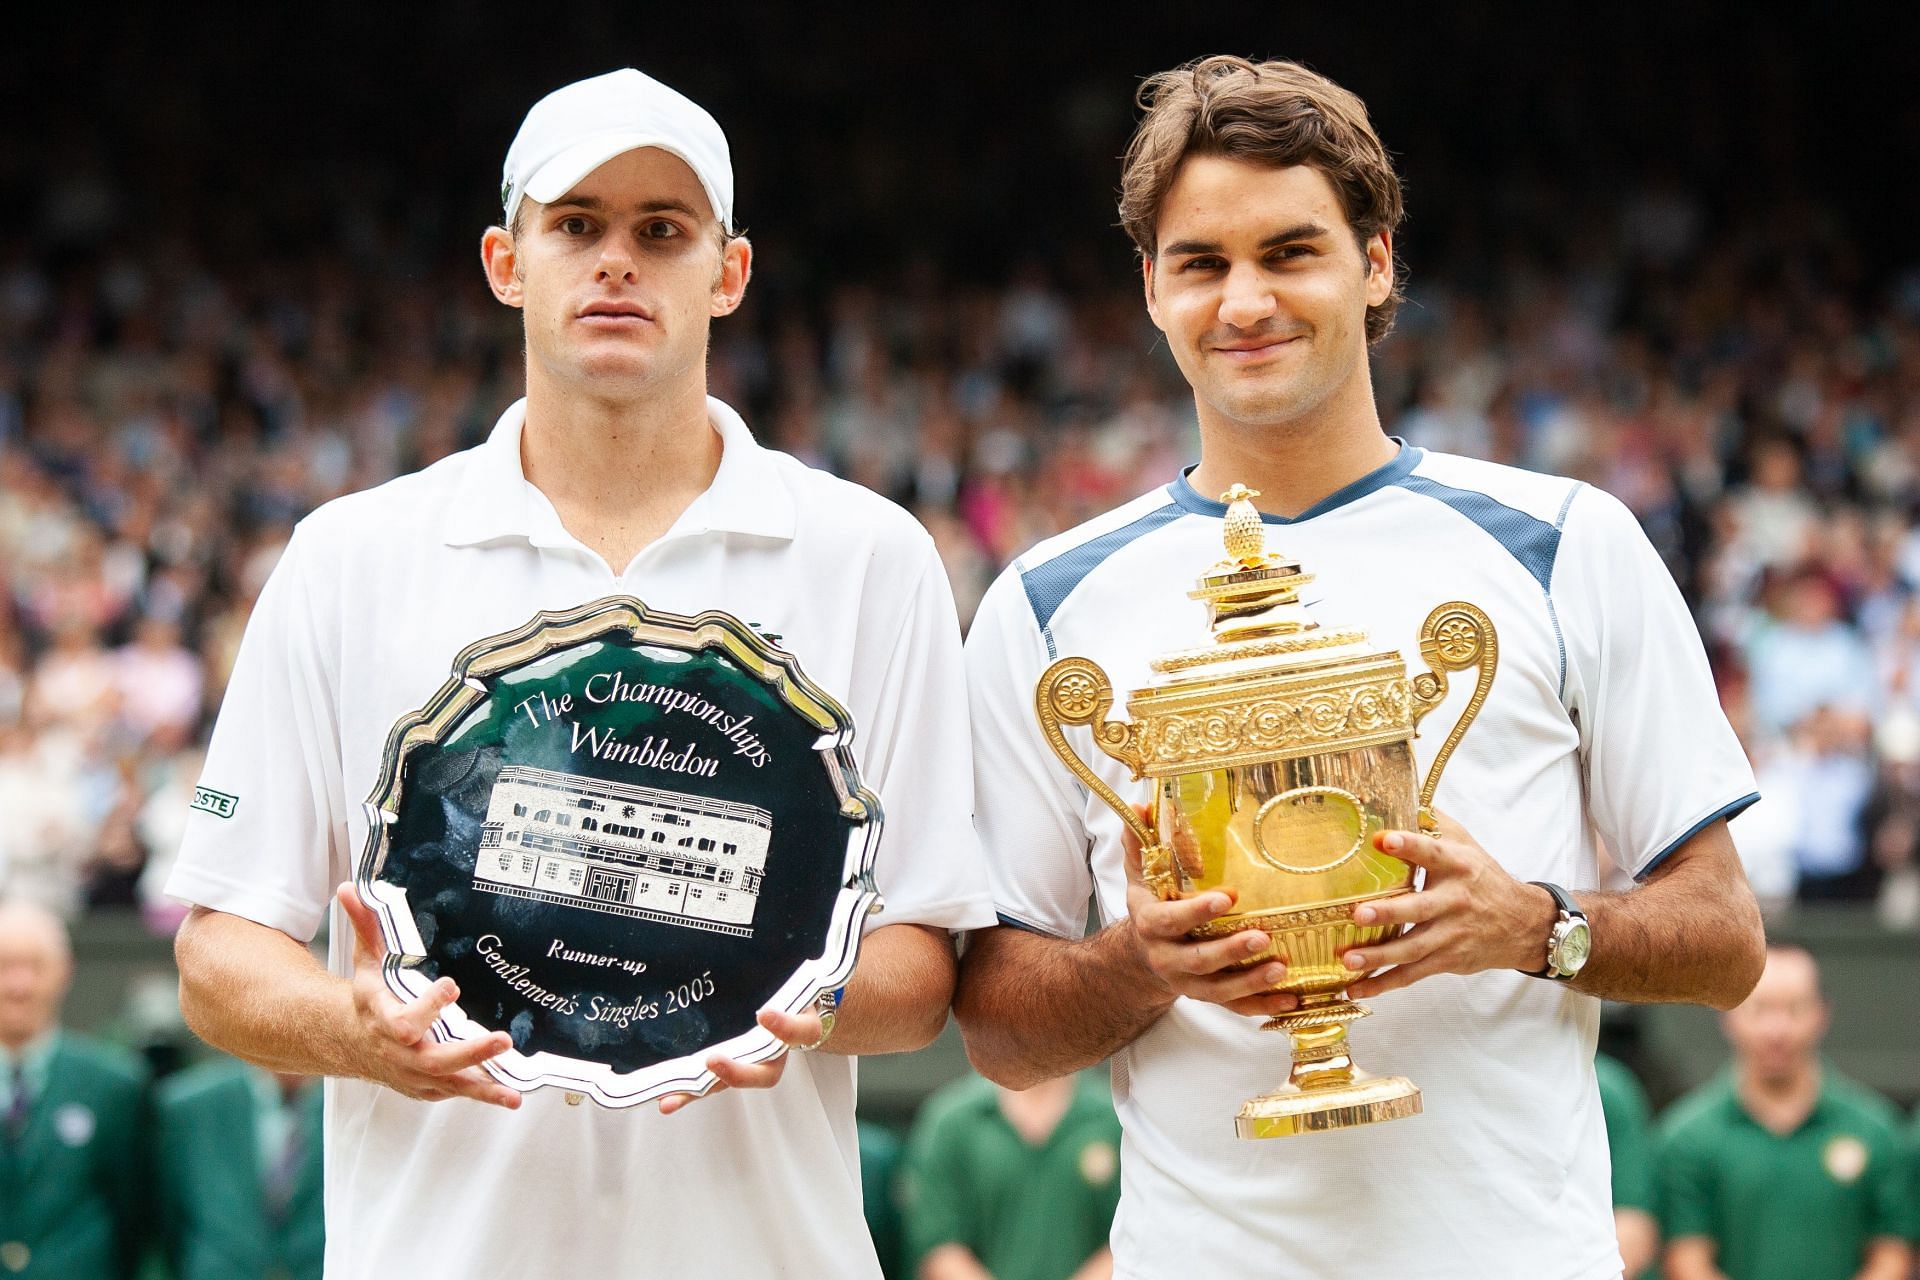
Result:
616,475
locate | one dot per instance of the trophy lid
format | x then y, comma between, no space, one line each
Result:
1254,606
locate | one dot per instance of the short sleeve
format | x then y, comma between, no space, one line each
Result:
912,746
1913,1181
1661,761
268,825
1684,1179
1028,810
1625,1108
1893,1211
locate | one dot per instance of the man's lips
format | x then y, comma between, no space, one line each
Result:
1249,350
615,314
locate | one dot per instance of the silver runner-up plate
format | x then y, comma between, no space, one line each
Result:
622,833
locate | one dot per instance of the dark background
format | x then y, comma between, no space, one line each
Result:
974,136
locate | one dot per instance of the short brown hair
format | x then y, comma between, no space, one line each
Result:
1274,113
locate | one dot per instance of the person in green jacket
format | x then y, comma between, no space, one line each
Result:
73,1124
1630,1143
239,1174
1781,1169
880,1153
1012,1184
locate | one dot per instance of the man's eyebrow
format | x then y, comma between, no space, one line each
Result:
1194,248
593,204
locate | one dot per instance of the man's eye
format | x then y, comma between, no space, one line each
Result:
1200,264
574,226
661,230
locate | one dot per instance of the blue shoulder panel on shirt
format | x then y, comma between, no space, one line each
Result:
1530,540
1048,585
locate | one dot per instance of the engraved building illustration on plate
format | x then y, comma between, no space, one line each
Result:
633,851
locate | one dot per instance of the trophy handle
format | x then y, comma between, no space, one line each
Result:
1075,691
1454,637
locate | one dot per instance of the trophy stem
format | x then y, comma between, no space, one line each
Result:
1324,1090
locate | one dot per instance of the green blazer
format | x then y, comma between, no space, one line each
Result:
73,1198
214,1204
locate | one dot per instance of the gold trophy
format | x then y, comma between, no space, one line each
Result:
1276,753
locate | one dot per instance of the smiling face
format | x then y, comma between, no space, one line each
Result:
620,278
1262,290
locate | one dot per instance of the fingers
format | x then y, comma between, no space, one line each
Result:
481,1087
459,1055
1200,958
1406,908
732,1074
409,1023
1405,949
748,1075
1130,843
674,1101
1417,848
796,1030
1168,921
1270,1004
1225,988
368,945
1394,979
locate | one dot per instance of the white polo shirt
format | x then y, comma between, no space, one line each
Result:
1602,718
360,624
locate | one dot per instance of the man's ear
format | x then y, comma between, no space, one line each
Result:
736,268
497,257
1379,267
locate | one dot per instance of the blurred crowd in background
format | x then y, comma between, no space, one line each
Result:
240,279
167,414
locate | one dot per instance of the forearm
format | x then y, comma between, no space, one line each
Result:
897,999
259,995
1692,933
1887,1259
1097,1267
951,1262
1639,1238
1692,1259
1033,1007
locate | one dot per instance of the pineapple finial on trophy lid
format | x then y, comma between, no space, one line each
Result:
1245,533
1253,591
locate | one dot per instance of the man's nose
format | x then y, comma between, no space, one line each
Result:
1245,299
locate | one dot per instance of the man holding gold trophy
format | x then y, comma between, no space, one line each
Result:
543,703
1245,714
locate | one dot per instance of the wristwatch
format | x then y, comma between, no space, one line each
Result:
1570,941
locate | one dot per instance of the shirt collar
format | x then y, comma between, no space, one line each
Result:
1737,1107
1398,468
35,1057
495,500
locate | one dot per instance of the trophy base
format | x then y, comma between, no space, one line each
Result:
1290,1110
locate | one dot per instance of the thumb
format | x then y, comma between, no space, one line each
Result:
368,945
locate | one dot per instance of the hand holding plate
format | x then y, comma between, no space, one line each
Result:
392,1037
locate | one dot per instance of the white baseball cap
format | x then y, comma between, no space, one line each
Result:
574,130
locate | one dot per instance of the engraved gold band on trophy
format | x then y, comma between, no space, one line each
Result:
1276,754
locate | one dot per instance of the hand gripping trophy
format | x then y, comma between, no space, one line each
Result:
1276,753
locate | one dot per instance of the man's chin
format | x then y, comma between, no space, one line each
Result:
1260,408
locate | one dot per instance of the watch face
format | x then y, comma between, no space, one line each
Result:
1575,945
